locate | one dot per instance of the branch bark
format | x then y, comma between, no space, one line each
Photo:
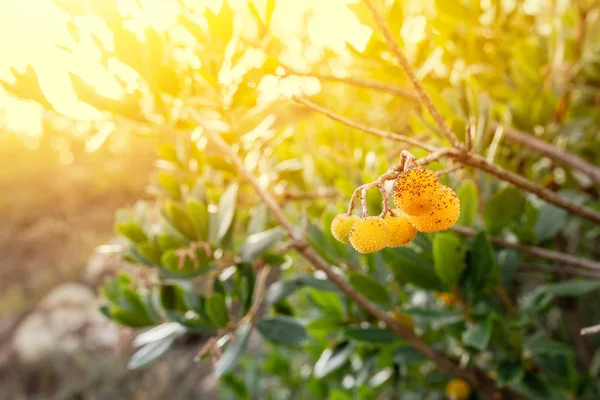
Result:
553,152
475,377
563,258
422,94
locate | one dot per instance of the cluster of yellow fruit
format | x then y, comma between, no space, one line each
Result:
423,205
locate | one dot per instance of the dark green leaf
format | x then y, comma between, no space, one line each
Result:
370,288
502,208
478,335
331,360
410,267
539,343
509,372
283,330
551,221
406,355
234,351
216,308
448,257
256,244
481,262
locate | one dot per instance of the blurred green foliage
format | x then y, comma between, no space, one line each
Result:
200,242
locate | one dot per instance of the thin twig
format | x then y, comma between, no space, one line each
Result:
470,159
374,131
366,83
449,170
421,93
553,152
563,258
259,296
472,375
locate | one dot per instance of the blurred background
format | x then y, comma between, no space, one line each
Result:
80,123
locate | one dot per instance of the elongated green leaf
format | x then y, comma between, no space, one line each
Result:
448,257
199,216
574,287
370,288
132,231
539,343
191,324
502,208
510,372
282,330
280,290
329,302
331,360
179,219
151,352
469,203
234,351
371,335
550,222
410,267
227,206
258,222
256,244
478,335
481,261
216,308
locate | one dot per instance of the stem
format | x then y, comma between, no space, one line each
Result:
563,258
474,376
422,95
374,131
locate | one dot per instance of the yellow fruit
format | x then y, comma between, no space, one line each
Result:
405,319
369,235
449,299
457,389
401,230
340,226
443,216
416,191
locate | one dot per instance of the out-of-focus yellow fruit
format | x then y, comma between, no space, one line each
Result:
401,230
416,191
405,319
443,216
449,299
457,389
340,226
369,235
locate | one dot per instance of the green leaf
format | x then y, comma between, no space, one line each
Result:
191,324
216,308
370,288
320,284
371,334
469,203
234,351
189,268
178,219
525,229
573,287
132,231
280,290
257,243
539,343
448,257
329,302
481,262
509,260
170,184
406,355
502,208
410,267
151,352
478,335
551,220
282,330
227,206
509,372
258,222
437,318
199,217
331,360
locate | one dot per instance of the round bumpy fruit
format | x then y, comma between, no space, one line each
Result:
369,235
340,226
401,230
416,191
457,389
442,216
